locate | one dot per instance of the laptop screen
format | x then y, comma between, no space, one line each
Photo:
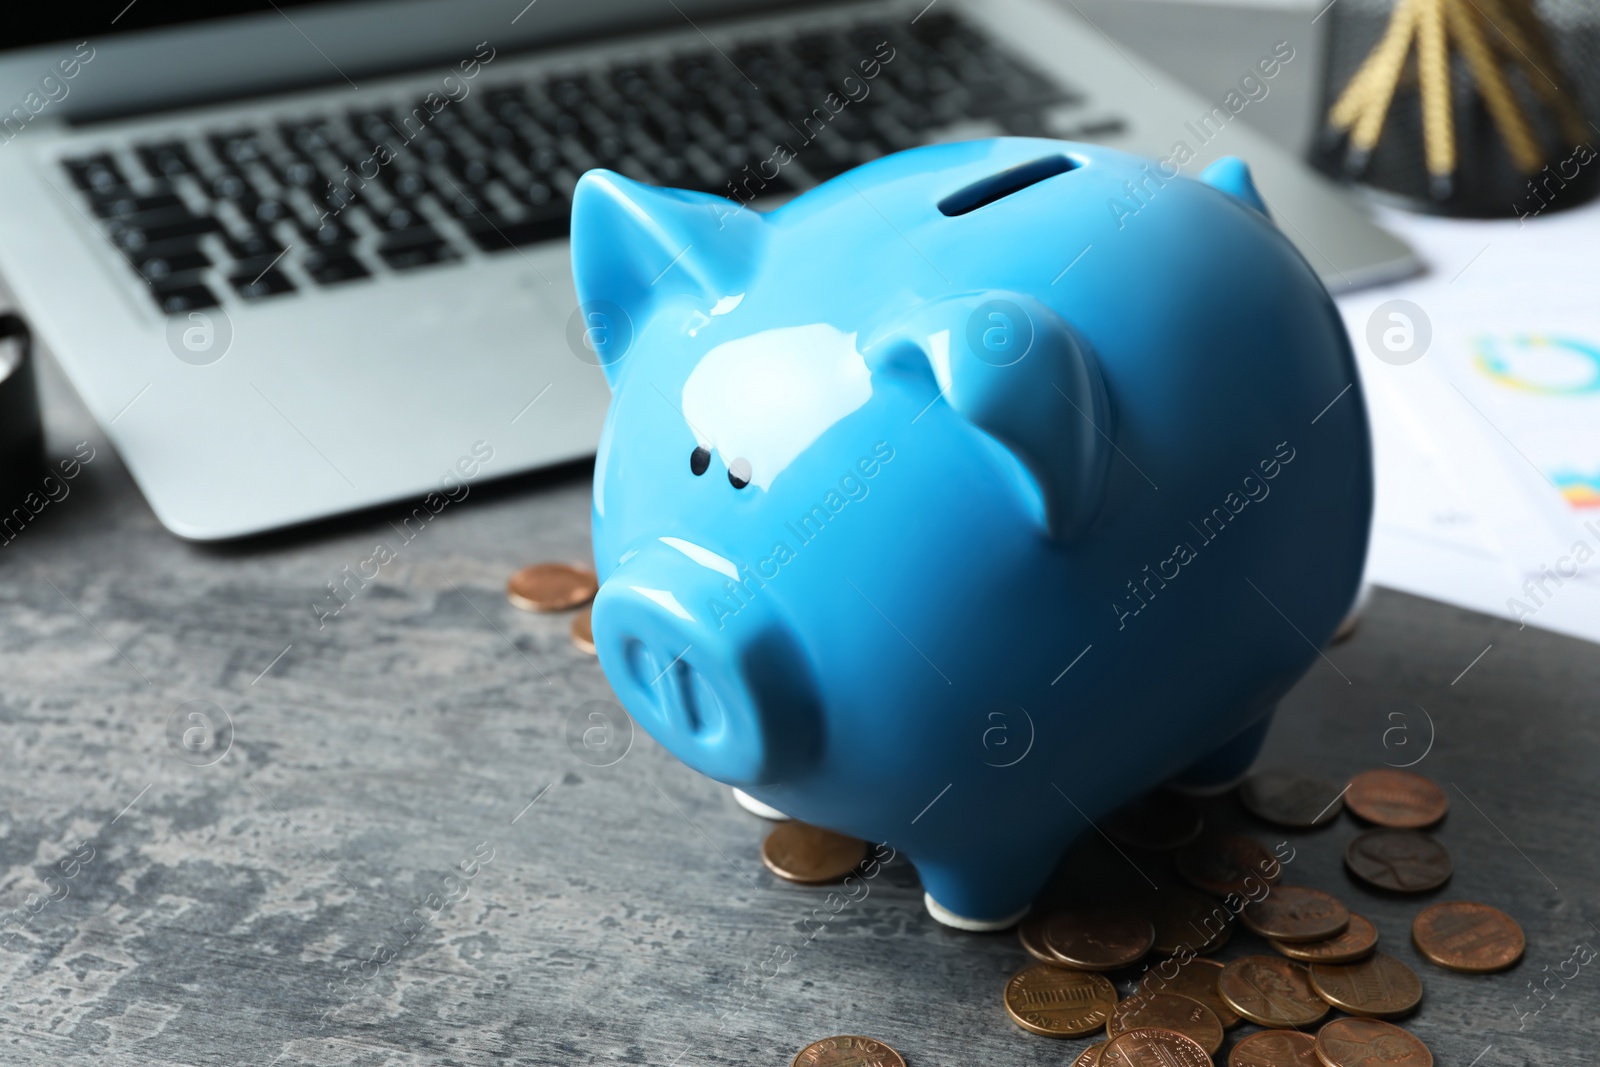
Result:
115,58
88,22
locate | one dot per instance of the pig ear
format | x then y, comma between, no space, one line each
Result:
635,246
1014,369
1232,175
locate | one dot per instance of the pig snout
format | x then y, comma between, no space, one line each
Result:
719,680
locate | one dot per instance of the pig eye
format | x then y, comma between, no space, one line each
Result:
739,473
699,460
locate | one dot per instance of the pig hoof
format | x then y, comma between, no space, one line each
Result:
960,922
1210,789
1347,628
755,807
1226,767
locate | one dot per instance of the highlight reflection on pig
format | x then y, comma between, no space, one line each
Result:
951,506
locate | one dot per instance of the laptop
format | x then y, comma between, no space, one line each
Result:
300,258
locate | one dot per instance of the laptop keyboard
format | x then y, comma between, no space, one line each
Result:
260,212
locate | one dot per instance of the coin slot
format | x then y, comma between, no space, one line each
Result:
999,186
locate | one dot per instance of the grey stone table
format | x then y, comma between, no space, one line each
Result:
407,855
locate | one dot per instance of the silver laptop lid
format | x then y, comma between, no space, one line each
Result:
78,62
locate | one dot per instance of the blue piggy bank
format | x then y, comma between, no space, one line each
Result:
969,495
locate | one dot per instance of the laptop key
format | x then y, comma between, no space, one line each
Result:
326,231
253,281
255,244
497,233
184,294
123,206
96,173
410,256
168,159
334,264
157,268
133,238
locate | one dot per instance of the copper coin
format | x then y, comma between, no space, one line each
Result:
582,633
1474,938
1276,1048
1099,940
1357,942
1397,799
1159,821
1152,1047
1291,799
1188,920
1224,865
1378,987
1058,1001
1167,1011
551,587
1271,991
1090,1057
1196,979
1370,1043
1403,861
810,855
1030,933
848,1051
1296,913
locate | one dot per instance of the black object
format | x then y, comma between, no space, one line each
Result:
1486,183
21,432
495,170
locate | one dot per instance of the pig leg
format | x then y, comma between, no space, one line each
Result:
984,891
1222,769
755,807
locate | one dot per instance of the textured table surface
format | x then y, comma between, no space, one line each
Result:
288,903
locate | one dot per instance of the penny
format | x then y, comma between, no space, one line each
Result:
1403,861
848,1051
1378,987
551,587
1090,1057
1030,932
810,855
1159,821
1224,865
1292,799
1357,941
1397,799
1370,1043
582,634
1152,1047
1099,940
1296,913
1474,938
1059,1002
1167,1011
1186,920
1276,1048
1196,979
1271,991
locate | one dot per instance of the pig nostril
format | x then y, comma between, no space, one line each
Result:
683,682
641,664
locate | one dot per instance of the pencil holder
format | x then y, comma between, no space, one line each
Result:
1463,107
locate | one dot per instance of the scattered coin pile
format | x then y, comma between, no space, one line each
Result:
549,587
1325,959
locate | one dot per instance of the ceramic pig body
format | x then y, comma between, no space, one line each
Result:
969,495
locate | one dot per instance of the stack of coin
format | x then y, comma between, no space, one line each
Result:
547,587
1183,1005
